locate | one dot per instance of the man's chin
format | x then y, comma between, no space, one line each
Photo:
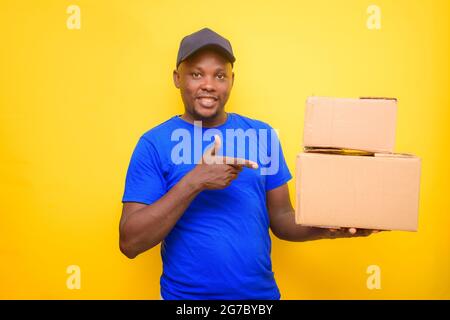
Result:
207,114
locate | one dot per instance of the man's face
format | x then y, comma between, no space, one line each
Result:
205,81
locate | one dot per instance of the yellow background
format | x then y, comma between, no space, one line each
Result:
74,102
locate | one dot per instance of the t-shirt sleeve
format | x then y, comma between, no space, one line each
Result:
279,174
144,181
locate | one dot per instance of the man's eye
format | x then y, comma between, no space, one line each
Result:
221,76
195,74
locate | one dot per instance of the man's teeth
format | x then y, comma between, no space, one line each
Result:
207,101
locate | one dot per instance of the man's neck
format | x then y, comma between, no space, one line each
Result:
210,123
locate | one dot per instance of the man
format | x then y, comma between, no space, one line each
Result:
211,213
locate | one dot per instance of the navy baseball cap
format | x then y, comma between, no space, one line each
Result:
202,39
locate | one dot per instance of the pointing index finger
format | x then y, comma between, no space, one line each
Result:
236,162
217,144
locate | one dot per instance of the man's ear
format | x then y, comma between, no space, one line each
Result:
176,79
232,79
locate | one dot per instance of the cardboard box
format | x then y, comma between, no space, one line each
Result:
362,124
374,192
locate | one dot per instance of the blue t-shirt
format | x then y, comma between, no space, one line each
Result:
220,247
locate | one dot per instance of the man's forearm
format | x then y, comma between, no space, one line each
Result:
148,226
285,228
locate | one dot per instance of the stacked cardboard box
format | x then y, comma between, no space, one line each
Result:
348,174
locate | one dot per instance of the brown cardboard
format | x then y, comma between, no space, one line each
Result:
363,124
374,192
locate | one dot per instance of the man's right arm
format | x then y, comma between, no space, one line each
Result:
144,226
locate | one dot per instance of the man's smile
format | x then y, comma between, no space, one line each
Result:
207,102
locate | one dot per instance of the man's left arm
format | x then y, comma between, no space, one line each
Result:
282,221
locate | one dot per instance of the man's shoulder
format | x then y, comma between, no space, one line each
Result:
251,122
160,130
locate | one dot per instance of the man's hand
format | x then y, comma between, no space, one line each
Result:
217,172
350,232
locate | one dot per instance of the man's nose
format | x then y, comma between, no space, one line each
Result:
208,84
